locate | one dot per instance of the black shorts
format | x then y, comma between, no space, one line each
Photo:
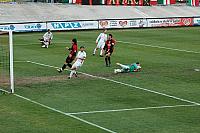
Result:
109,52
69,60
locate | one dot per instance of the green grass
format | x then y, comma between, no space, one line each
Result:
167,71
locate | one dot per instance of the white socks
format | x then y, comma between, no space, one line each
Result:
72,72
95,51
101,52
118,70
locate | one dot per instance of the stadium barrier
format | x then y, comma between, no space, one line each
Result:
101,24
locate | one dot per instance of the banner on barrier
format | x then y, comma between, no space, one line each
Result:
196,21
169,22
72,25
7,27
122,23
100,24
24,27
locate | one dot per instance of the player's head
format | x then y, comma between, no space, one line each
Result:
138,66
48,30
74,41
105,30
137,63
110,36
82,48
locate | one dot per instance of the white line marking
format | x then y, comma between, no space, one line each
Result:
132,109
153,46
16,62
61,112
111,80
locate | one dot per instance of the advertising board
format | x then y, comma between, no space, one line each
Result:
170,22
77,25
122,23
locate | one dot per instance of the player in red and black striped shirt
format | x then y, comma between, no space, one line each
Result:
73,50
109,47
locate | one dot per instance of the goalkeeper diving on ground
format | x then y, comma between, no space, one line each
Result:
134,67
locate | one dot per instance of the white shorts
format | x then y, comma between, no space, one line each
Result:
100,45
46,42
77,65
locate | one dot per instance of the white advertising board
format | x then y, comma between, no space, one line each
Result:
76,25
134,23
24,27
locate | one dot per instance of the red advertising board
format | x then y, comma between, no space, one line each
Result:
170,22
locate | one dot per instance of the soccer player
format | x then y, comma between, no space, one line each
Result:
100,41
80,58
73,50
109,47
47,38
134,67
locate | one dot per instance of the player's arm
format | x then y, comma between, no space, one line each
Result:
113,42
98,38
118,64
67,48
138,69
45,34
45,37
51,36
84,57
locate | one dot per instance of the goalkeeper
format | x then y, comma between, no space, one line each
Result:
46,39
135,67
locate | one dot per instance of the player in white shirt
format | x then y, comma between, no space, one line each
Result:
100,41
46,40
80,58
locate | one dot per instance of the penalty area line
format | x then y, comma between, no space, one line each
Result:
154,46
132,109
61,112
125,84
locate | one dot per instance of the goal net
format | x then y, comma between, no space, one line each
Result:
6,62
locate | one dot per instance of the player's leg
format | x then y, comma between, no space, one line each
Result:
75,67
62,68
95,50
73,71
109,59
102,50
66,63
123,66
106,60
118,70
41,41
46,44
97,47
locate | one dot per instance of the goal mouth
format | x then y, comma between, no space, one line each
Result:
6,62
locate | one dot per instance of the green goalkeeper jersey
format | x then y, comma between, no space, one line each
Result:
132,67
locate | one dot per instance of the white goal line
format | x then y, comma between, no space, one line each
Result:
125,84
133,109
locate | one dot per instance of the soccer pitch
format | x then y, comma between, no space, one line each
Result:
162,98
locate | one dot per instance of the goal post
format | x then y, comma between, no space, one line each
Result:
6,61
11,61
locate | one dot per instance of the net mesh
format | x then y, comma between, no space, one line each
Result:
4,61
